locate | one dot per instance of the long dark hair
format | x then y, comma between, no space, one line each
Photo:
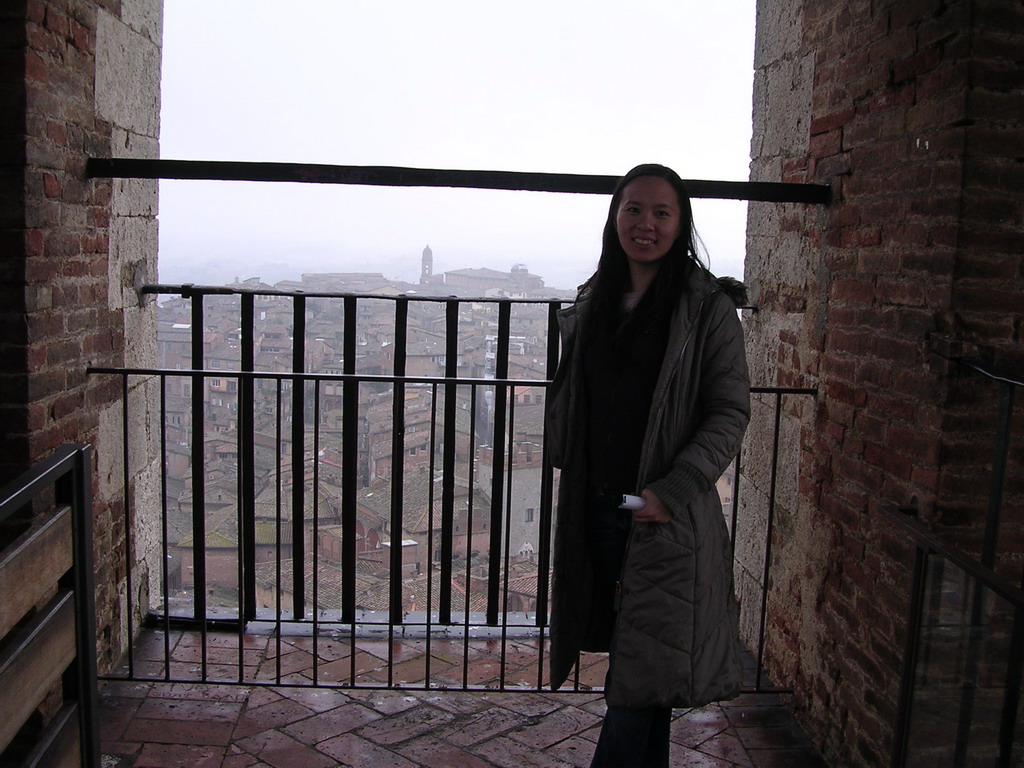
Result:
606,286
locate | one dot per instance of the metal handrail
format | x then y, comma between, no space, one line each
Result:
392,176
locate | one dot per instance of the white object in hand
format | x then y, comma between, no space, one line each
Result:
632,502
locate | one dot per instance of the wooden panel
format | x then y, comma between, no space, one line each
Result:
31,566
37,656
59,745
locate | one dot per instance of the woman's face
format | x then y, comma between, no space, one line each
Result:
648,219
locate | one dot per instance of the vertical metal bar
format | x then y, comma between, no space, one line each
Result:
199,477
973,654
164,547
1001,452
912,647
498,464
278,509
315,458
430,537
298,459
547,483
471,482
397,470
1011,695
768,538
129,560
349,468
74,488
451,370
247,459
506,561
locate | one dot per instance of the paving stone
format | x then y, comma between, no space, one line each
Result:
460,702
274,715
240,761
352,751
114,716
327,725
407,725
726,746
179,756
432,752
785,758
773,737
200,691
316,699
385,702
179,732
529,704
503,752
684,757
189,710
576,751
124,689
754,715
549,729
121,747
481,726
698,725
282,751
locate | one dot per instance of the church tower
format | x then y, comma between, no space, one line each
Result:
427,268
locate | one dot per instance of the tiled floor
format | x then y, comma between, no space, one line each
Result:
210,725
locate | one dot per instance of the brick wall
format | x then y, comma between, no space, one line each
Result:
74,250
911,111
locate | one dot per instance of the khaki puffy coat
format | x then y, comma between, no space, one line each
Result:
676,638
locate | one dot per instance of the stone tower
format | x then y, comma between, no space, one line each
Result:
427,266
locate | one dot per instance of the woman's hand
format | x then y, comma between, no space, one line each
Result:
654,511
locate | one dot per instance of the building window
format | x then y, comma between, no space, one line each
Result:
529,514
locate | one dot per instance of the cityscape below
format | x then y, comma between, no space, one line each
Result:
393,422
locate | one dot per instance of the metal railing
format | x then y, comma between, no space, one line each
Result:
963,663
392,176
300,392
961,681
479,438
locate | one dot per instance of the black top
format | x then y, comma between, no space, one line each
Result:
621,370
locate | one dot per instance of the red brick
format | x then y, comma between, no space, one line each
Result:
827,123
854,291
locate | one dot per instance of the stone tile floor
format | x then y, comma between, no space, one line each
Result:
217,725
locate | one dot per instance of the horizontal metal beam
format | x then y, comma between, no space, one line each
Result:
391,176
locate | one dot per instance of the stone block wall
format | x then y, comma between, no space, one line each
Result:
84,76
907,110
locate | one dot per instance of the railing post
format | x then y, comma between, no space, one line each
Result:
247,461
349,463
298,458
910,653
451,370
1011,697
768,537
498,463
74,488
198,473
398,459
547,482
1001,452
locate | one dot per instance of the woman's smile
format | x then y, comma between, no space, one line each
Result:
648,220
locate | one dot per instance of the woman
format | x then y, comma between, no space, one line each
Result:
651,398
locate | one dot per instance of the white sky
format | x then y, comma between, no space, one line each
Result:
563,86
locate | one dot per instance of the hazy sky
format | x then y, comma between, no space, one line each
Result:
564,86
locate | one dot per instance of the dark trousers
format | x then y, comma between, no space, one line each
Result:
629,737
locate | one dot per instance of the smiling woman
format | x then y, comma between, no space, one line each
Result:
444,85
